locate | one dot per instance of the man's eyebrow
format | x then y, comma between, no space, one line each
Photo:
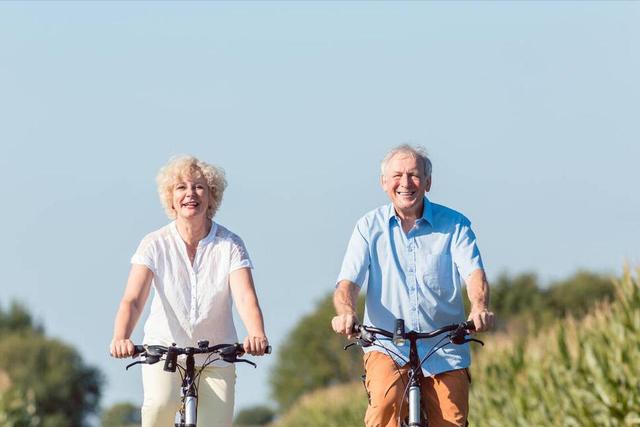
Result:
413,170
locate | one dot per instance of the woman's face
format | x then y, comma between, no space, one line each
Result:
191,197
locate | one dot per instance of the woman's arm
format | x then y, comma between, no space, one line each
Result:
246,300
131,306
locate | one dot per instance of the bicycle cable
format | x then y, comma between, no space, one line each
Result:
434,349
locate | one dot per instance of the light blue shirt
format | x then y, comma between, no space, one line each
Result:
414,276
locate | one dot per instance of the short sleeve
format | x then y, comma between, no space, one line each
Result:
239,254
145,255
465,252
355,264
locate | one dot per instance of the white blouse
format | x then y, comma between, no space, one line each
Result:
191,303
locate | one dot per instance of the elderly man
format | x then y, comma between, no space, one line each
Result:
412,254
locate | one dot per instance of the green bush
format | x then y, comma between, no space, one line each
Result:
337,406
121,415
254,416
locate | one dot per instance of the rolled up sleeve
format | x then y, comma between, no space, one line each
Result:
465,252
355,264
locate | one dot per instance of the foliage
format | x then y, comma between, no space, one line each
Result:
578,373
520,302
121,415
337,406
17,319
17,409
576,295
254,416
312,357
49,377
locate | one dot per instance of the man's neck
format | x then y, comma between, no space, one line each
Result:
409,218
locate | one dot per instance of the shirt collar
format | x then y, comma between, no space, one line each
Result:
427,212
208,238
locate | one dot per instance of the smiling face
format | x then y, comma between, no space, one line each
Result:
191,197
405,183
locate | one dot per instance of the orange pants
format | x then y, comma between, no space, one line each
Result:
445,396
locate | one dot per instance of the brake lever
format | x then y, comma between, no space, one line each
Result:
245,361
474,340
461,339
360,342
148,360
137,362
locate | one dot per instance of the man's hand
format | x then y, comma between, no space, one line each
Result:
483,319
343,324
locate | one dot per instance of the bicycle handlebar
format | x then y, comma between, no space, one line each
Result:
366,335
153,353
466,326
160,350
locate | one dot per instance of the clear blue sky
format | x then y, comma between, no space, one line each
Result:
530,111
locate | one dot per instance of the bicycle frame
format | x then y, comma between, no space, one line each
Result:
366,336
415,382
187,414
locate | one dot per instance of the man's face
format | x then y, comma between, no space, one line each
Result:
405,183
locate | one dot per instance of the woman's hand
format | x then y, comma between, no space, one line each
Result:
121,348
255,345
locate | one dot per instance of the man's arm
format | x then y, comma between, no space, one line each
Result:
478,291
344,301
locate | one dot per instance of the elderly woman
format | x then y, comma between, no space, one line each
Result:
196,267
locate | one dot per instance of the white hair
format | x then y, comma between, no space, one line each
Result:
191,167
418,152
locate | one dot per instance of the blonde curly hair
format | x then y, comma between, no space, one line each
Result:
190,167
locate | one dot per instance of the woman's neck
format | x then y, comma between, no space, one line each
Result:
192,231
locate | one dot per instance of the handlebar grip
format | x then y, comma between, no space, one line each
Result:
469,325
267,350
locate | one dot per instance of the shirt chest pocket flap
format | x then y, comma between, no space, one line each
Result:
437,270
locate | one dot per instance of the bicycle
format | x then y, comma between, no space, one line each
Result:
457,334
186,416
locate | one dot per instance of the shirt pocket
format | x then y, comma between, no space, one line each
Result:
437,273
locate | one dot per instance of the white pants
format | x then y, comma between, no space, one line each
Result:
162,396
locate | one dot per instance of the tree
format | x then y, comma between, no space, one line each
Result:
254,416
64,390
121,415
17,319
577,294
519,300
312,357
